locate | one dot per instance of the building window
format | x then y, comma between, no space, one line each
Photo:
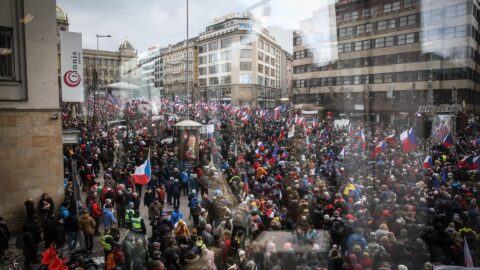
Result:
410,38
378,78
357,79
245,53
449,32
366,44
391,23
272,71
260,56
213,81
391,7
246,66
213,58
388,77
202,82
296,41
379,42
366,12
6,54
339,48
358,46
227,67
401,39
272,60
349,31
389,41
260,80
409,3
213,69
267,70
460,31
260,68
202,60
226,80
245,78
202,71
436,15
360,29
226,42
226,55
342,32
369,27
267,58
212,46
260,44
381,25
347,47
245,40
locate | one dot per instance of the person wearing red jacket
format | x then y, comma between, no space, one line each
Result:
96,212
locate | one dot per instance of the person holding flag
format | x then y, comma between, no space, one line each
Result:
142,176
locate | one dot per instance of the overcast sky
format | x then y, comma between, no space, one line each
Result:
161,22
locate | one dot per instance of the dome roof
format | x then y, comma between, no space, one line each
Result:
126,46
61,15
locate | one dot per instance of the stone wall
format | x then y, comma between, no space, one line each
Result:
31,161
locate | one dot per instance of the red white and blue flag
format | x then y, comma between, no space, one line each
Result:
427,163
390,139
466,162
409,140
448,141
380,148
143,173
476,163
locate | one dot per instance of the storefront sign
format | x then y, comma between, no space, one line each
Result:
71,66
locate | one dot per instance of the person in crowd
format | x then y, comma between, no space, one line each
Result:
87,225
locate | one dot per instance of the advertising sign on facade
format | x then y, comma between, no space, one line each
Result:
71,72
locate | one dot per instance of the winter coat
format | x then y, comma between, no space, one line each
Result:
108,219
87,224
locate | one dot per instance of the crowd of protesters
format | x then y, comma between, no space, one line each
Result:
305,178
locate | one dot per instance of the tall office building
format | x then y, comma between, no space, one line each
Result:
239,61
175,69
149,69
382,55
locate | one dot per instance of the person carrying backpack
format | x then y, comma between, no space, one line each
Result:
116,258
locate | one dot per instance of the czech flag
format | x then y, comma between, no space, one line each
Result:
390,139
427,163
448,141
143,173
380,148
466,162
476,163
408,139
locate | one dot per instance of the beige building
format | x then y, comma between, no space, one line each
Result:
239,61
31,157
175,69
386,54
111,66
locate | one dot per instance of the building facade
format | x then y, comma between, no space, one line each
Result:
111,66
31,157
175,69
150,64
239,62
389,56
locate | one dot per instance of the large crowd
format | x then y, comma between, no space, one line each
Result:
272,190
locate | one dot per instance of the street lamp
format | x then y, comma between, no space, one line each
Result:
96,77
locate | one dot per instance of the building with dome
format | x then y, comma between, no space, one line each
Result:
112,66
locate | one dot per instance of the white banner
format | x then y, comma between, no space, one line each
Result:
71,73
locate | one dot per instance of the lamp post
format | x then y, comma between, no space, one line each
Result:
95,78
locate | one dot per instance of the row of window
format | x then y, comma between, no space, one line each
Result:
408,76
410,38
377,26
244,79
302,54
368,12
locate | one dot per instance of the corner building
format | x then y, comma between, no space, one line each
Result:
384,55
239,62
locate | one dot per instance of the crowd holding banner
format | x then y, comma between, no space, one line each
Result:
385,198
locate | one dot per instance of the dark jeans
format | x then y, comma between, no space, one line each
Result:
185,188
176,200
97,224
121,216
169,197
72,240
89,242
